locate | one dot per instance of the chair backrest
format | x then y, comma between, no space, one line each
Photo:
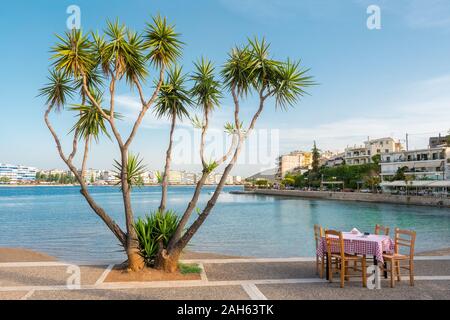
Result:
405,238
318,234
379,229
335,242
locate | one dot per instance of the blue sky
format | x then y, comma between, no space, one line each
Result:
372,82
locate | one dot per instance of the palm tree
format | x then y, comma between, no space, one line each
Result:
80,61
249,69
172,103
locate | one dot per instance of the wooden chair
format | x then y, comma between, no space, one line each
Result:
335,250
320,261
383,230
407,239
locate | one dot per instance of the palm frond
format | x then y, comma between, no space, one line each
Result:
73,54
206,89
289,84
123,51
134,170
57,90
91,122
174,97
163,42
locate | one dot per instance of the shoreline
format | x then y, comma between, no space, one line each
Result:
353,196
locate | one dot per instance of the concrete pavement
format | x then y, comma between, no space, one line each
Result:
222,279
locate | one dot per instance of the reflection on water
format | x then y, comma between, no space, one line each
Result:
57,220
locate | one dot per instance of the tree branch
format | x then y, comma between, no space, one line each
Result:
145,108
182,242
112,225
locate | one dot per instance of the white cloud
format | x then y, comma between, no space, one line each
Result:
130,108
424,110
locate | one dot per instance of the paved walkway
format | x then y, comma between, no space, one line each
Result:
256,279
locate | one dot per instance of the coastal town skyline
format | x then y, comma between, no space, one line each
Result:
295,161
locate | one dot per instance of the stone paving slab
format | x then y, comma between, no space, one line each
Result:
46,276
192,293
427,267
12,295
253,271
295,270
423,290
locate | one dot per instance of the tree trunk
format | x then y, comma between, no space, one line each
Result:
187,214
165,177
135,260
167,262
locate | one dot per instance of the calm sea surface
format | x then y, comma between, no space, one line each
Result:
57,220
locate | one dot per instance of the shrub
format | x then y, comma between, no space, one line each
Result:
153,230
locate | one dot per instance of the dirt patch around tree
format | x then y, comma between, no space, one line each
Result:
121,274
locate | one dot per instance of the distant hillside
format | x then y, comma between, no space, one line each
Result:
268,175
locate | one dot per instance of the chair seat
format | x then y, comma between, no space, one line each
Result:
347,256
395,256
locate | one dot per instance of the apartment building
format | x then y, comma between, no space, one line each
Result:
439,141
336,160
422,164
17,173
363,154
295,161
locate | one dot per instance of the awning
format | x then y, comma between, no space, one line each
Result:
418,183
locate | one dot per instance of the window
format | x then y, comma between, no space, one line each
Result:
386,150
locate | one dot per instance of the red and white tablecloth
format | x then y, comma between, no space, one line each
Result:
371,245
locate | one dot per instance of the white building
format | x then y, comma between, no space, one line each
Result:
423,164
358,155
335,160
17,173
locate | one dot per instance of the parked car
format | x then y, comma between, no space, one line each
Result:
365,190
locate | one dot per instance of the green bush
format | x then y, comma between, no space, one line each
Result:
189,268
154,229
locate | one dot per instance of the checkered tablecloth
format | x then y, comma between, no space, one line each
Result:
371,245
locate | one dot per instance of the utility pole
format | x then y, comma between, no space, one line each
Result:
407,146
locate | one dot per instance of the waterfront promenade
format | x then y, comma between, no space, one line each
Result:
353,196
222,278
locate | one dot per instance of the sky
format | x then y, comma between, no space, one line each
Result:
371,83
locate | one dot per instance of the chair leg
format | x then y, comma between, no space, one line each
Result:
317,265
330,269
398,271
411,272
364,271
346,268
343,268
392,273
322,268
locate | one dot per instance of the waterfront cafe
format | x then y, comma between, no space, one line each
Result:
418,187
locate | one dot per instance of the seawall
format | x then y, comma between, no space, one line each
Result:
354,196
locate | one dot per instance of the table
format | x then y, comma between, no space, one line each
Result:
371,245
